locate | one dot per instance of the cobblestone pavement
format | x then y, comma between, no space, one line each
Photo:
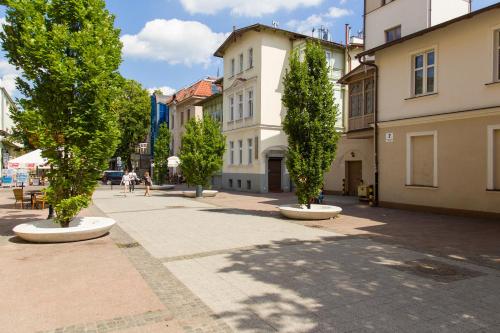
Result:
307,280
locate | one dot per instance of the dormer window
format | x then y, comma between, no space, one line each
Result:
393,34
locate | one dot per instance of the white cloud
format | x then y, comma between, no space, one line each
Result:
164,90
245,7
8,75
173,41
317,20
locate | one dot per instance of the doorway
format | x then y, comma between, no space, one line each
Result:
354,171
274,174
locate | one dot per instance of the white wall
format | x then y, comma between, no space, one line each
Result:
444,10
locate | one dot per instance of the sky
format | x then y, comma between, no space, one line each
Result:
169,44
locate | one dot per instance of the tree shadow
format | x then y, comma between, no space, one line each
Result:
342,285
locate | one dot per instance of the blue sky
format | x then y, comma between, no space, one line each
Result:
168,43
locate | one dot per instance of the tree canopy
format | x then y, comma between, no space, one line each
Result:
68,52
203,147
133,106
162,153
309,121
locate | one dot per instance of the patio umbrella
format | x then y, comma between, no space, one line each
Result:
30,161
173,162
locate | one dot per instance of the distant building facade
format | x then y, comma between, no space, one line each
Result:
8,149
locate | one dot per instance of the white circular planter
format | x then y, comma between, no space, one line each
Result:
162,187
206,193
317,212
81,228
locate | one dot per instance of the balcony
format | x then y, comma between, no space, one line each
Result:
360,122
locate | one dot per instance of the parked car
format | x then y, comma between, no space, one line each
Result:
112,177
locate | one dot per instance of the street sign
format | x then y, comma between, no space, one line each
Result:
389,137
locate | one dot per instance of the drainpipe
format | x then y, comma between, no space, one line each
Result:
375,131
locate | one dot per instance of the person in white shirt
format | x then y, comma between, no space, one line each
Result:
133,178
125,182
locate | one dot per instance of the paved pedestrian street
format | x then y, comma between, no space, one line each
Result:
232,264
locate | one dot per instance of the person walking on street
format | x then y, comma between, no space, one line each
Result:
147,182
125,182
133,179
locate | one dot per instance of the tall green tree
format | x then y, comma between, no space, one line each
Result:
133,107
162,153
203,147
309,122
69,52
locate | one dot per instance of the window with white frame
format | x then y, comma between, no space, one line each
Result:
231,108
250,58
231,152
250,151
250,103
424,73
240,106
421,159
493,158
497,56
233,67
393,34
240,150
241,63
256,149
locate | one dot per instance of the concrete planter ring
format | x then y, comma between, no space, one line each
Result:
317,212
81,228
206,193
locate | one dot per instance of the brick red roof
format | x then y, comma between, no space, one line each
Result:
202,88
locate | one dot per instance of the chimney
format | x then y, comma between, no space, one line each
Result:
347,34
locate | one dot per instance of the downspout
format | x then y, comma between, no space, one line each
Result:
429,13
375,132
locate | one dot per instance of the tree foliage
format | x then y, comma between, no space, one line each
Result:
203,146
133,107
309,122
162,153
69,53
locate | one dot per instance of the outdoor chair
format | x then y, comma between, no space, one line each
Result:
20,197
39,199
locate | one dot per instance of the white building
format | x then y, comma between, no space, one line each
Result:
255,61
6,124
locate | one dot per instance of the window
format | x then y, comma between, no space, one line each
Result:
256,140
249,184
233,68
424,73
239,183
240,106
250,151
393,34
240,150
241,63
250,58
231,152
182,118
250,103
369,96
356,99
230,183
189,114
231,108
173,121
497,56
421,159
493,157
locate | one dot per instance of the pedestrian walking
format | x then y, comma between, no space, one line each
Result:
147,182
125,182
133,179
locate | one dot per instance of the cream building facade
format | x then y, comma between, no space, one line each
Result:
255,61
8,149
439,116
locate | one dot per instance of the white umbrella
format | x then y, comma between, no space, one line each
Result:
173,162
28,161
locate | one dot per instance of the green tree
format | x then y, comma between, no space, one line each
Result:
309,122
203,147
133,107
69,53
162,153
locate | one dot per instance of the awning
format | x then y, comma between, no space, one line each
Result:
31,160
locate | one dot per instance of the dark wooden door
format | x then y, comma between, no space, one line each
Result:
274,174
354,177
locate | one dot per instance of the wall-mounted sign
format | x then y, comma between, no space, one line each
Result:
389,137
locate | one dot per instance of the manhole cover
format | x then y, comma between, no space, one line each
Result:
436,270
127,245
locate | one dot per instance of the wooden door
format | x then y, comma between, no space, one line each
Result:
354,176
274,174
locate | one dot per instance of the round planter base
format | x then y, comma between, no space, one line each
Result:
162,187
81,228
206,193
317,212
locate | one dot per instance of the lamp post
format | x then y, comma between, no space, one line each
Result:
152,169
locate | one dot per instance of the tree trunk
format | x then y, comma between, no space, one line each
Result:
199,191
65,224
